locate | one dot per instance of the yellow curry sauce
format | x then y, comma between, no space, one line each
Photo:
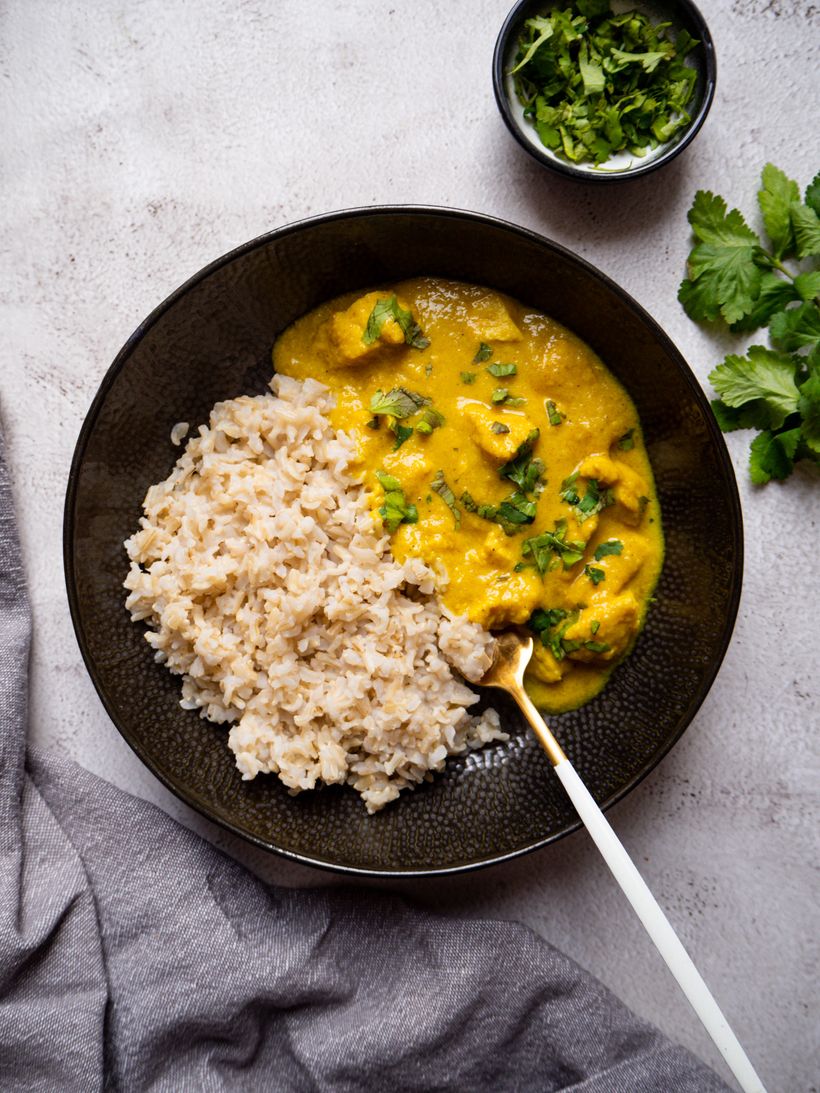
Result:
582,553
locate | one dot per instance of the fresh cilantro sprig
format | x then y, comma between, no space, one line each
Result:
736,276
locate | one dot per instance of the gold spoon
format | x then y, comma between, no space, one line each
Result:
513,650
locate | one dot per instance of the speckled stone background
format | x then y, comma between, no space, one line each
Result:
144,139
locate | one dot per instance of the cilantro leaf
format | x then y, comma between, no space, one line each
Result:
483,354
765,375
796,327
809,407
468,377
723,263
402,433
499,370
806,227
772,455
594,500
808,285
439,486
543,26
432,418
775,294
554,414
522,469
389,308
499,427
752,415
398,403
395,509
775,200
550,547
517,509
649,61
611,546
813,194
595,574
627,442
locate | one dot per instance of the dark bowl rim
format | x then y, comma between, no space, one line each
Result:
510,26
376,211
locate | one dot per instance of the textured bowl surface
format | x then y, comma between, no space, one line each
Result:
212,340
681,14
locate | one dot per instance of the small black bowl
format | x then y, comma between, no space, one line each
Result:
682,14
212,340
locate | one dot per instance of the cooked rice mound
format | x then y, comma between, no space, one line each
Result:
268,586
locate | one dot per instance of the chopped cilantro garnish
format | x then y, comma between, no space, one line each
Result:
554,414
522,469
502,395
550,547
551,624
611,546
373,423
468,377
597,646
403,432
500,370
439,485
542,619
595,574
594,500
398,403
430,419
484,353
594,627
388,482
499,427
510,514
594,83
389,308
395,509
626,442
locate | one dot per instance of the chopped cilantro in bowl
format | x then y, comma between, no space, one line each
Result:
604,92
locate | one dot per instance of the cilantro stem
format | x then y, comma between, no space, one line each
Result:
778,265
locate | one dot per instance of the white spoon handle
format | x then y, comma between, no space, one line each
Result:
658,927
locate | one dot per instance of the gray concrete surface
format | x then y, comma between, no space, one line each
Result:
143,139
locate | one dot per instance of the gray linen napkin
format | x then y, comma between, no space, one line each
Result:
135,956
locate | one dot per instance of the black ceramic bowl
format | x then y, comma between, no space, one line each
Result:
212,340
682,14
